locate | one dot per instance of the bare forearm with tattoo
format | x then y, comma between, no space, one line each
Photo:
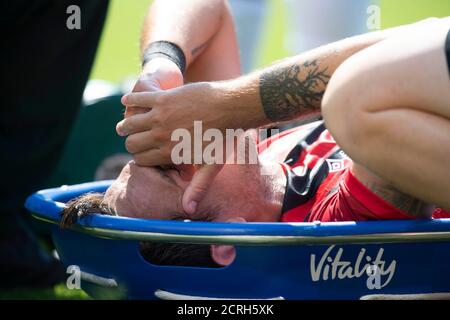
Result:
292,91
178,21
293,88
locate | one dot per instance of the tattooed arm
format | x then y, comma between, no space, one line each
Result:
204,31
177,21
285,94
201,28
289,89
294,88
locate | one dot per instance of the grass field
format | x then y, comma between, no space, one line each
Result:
118,55
59,292
118,58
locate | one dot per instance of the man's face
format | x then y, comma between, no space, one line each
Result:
155,193
238,193
148,192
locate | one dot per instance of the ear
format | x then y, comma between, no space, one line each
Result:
224,255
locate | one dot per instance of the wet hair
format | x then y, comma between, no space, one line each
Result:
173,254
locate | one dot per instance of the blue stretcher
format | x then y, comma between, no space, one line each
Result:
273,260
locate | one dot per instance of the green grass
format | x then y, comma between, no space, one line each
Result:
397,12
59,292
118,58
393,13
118,55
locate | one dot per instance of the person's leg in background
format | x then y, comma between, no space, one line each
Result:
388,107
249,17
311,23
45,67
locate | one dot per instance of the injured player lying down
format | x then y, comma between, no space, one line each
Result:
307,177
382,111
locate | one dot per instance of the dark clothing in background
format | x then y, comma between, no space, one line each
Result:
44,69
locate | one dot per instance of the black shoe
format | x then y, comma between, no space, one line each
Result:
23,263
